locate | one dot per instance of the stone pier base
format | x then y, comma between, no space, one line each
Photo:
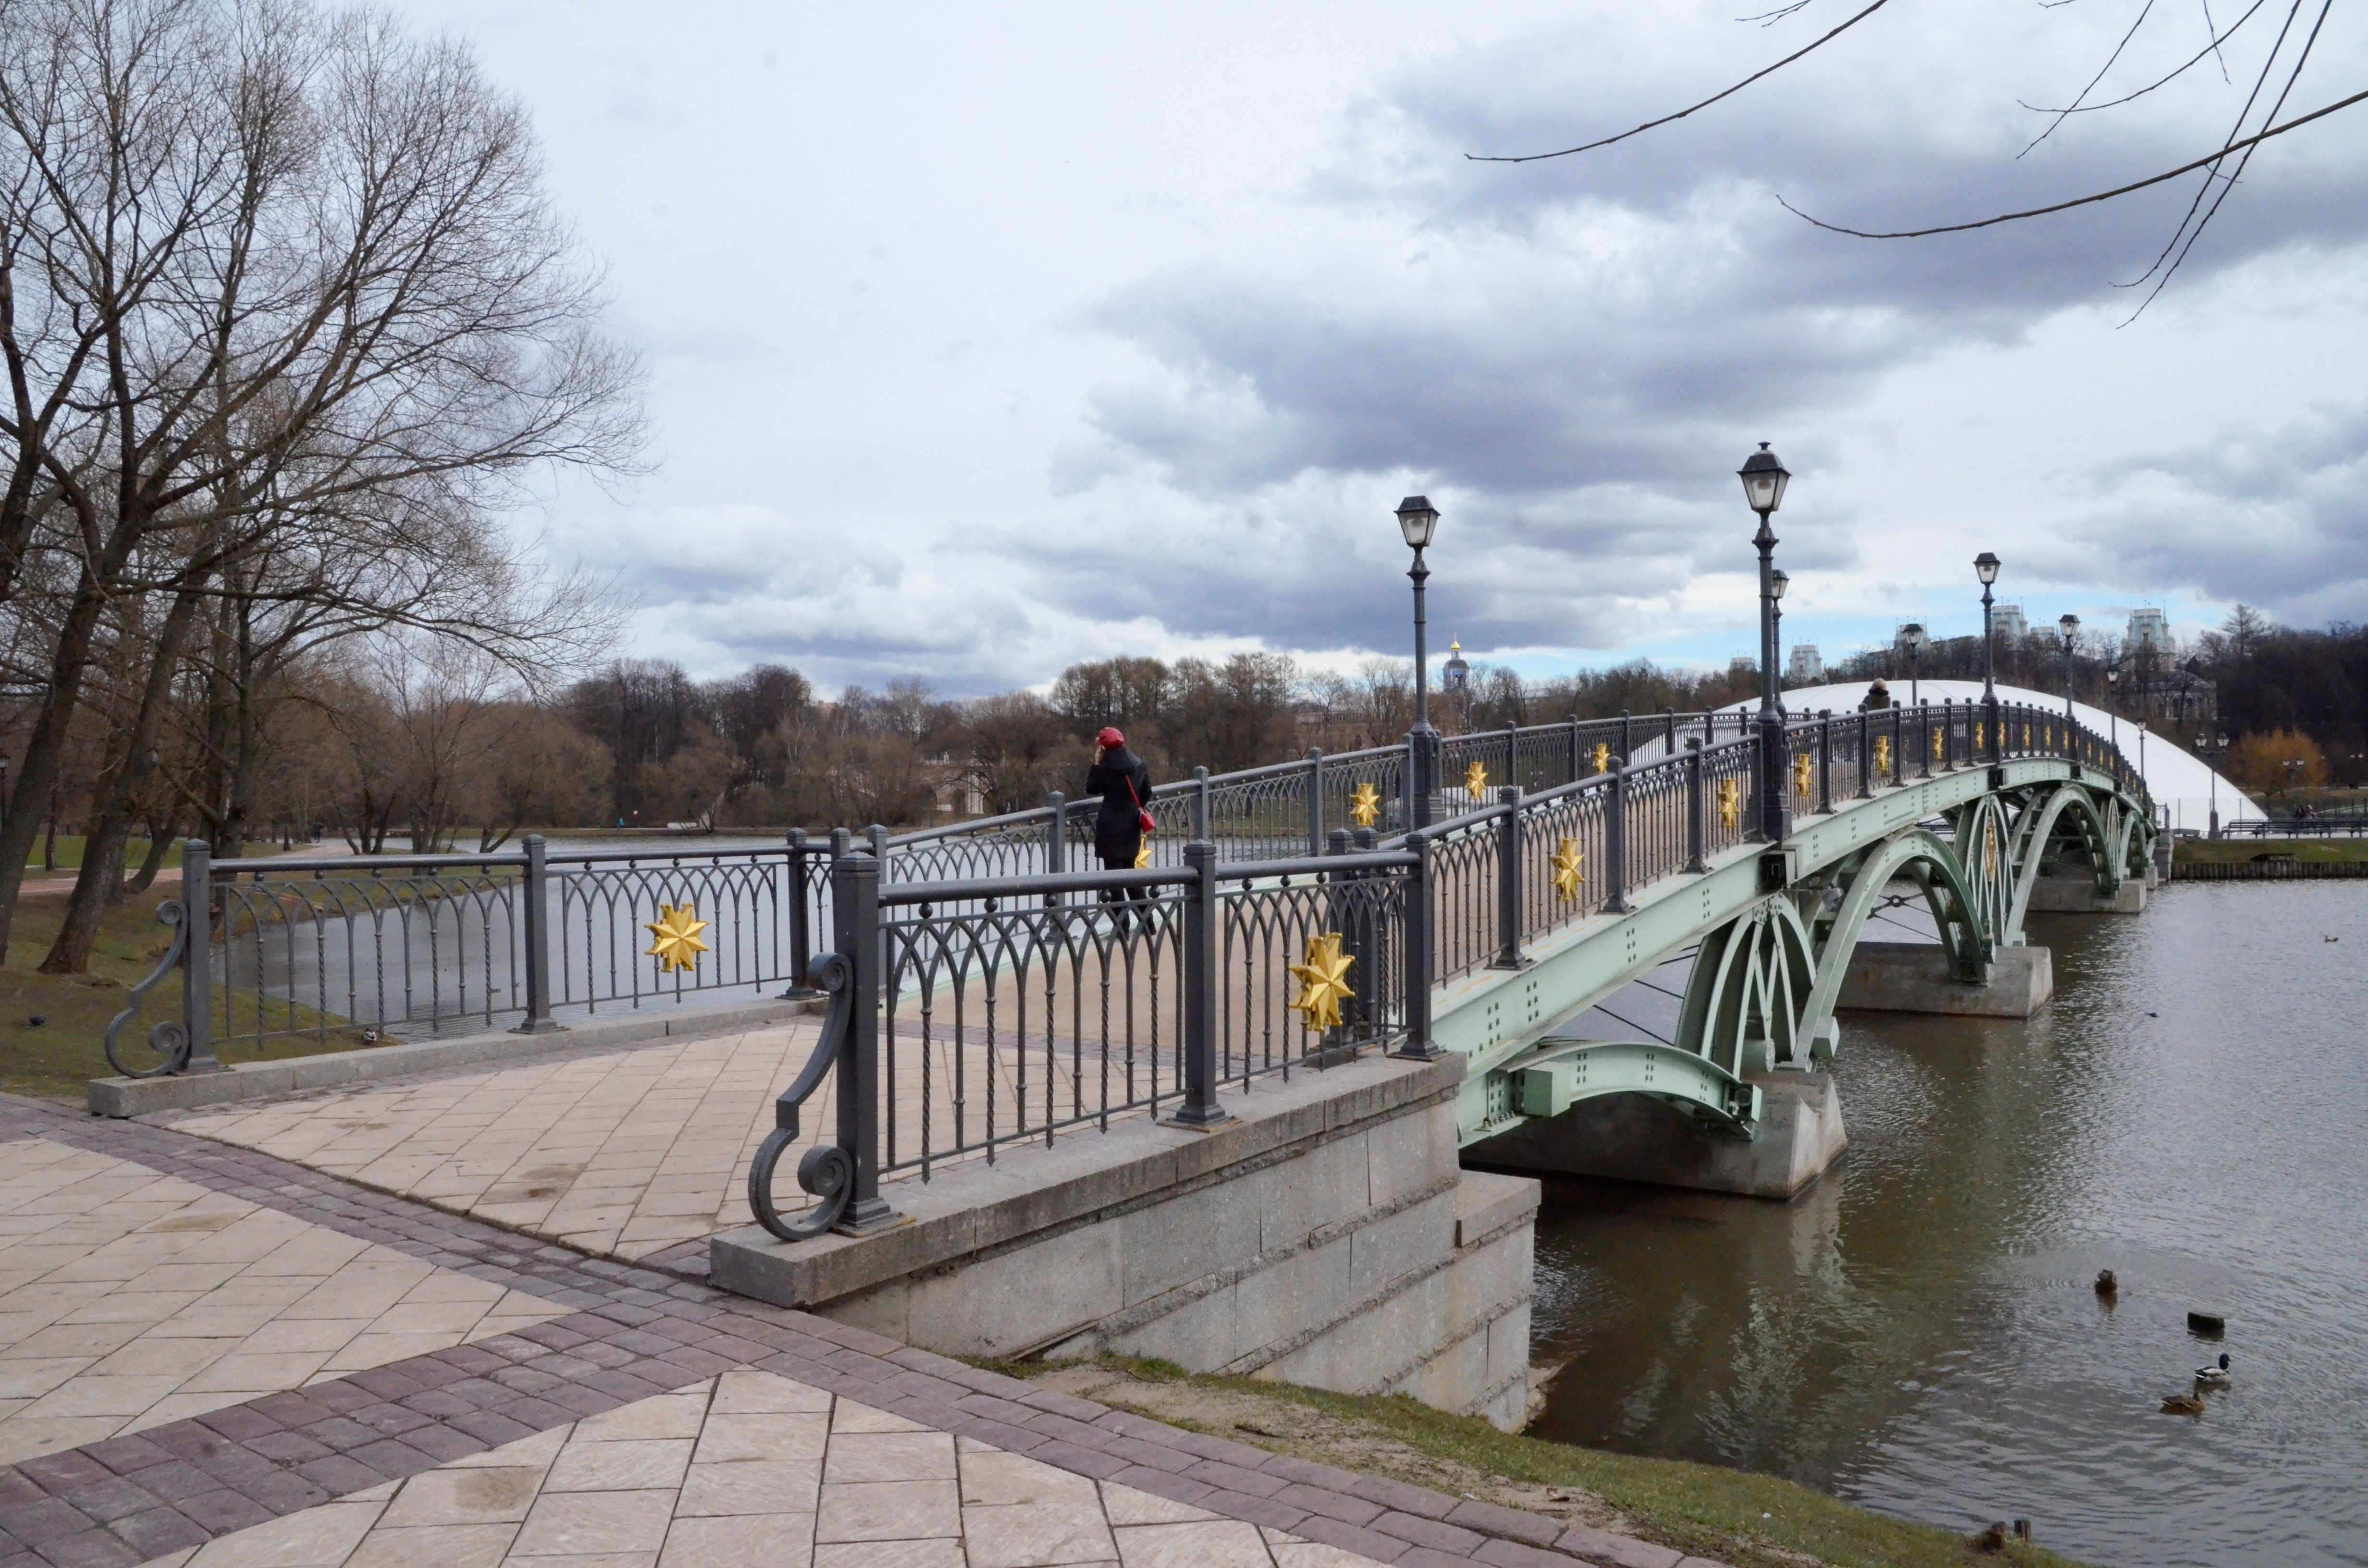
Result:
1327,1236
2078,896
1913,977
1638,1138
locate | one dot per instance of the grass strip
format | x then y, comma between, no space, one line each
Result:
1736,1516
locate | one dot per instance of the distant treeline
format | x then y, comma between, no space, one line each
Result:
2251,678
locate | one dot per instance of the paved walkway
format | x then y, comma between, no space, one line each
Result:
129,1299
632,1416
624,1152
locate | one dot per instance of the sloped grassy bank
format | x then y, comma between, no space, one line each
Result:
1751,1521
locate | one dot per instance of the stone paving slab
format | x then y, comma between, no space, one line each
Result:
637,1334
626,1152
753,1470
129,1299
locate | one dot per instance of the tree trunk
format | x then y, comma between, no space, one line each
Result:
101,881
160,844
45,748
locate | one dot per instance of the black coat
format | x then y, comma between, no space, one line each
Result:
1117,833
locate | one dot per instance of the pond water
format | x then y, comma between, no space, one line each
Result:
1920,1333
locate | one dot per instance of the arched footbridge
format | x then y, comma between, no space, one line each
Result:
984,993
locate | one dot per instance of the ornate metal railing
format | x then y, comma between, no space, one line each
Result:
989,983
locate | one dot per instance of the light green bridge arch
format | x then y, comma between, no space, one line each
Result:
1773,928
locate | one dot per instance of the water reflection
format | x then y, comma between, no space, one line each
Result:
1920,1333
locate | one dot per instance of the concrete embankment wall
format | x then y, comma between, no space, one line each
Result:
2265,870
1327,1237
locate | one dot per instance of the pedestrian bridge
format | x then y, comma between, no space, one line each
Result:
1287,921
1248,1107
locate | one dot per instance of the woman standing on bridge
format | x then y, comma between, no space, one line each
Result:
1124,783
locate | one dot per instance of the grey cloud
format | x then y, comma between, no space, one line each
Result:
2273,513
1578,347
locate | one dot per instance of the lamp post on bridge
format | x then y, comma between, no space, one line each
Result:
2213,754
1419,521
1777,583
1764,477
1986,567
2113,708
2069,625
1912,636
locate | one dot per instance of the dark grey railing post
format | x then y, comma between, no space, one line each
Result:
1697,824
1825,762
1865,755
1899,746
1372,1006
801,933
855,918
1201,1108
1627,735
1056,842
1669,731
1577,762
1416,961
197,959
1615,841
1513,754
537,1018
1201,802
1315,799
1509,881
1349,918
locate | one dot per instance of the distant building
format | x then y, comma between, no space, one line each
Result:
1804,667
2149,629
2008,625
1742,664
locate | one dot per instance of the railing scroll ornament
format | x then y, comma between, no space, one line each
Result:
170,1039
826,1170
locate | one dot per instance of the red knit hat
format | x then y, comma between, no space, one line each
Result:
1110,738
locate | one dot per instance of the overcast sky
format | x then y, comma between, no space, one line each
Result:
985,339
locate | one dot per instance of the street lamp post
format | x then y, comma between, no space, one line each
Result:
1419,521
2069,625
1986,567
2216,752
2113,708
1912,635
1778,581
1764,477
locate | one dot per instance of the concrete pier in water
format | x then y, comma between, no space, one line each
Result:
1638,1138
1913,977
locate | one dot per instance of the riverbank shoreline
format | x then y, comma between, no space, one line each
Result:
1738,1518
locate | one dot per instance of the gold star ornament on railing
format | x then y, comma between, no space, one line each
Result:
676,933
1883,754
1602,757
1475,780
1566,861
1365,806
1730,804
1323,981
1939,737
1804,773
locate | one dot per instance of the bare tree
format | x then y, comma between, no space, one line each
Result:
263,268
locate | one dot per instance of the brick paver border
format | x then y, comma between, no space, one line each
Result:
637,1331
